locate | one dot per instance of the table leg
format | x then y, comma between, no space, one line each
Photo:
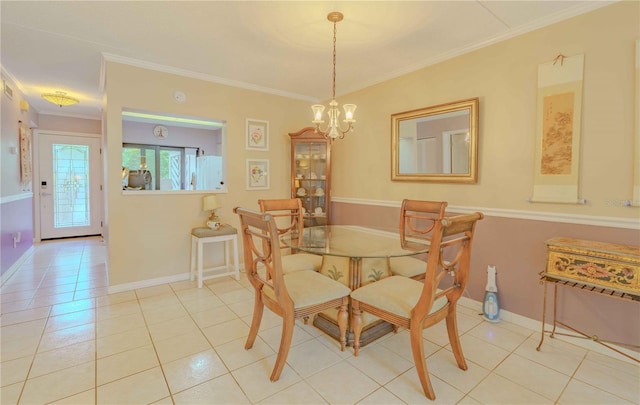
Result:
544,310
371,331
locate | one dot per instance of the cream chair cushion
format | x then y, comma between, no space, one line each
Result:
301,261
307,288
396,294
407,266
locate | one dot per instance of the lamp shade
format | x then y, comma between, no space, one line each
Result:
210,203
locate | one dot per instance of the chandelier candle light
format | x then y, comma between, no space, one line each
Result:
334,130
60,98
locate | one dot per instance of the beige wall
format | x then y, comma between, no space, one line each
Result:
10,184
69,124
149,235
511,237
504,77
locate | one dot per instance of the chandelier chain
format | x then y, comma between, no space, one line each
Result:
335,30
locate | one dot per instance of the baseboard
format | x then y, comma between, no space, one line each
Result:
15,266
536,326
152,282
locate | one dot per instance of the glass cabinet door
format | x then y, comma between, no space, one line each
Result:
310,175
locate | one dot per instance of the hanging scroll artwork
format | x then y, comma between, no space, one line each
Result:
25,154
559,112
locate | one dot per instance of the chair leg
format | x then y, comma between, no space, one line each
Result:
454,338
356,325
417,348
343,322
285,343
258,308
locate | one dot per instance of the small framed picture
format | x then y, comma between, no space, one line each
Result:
257,174
257,135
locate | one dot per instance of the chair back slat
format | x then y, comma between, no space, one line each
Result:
262,252
418,219
287,213
448,257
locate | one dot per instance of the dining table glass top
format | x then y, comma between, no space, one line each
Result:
351,241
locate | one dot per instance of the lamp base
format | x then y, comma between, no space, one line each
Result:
214,222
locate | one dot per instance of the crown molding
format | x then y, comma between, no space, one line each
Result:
108,57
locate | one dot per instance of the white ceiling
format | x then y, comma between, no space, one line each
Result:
284,47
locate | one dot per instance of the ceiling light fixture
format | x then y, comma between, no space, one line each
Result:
334,130
60,98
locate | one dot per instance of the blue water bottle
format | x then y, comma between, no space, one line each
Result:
490,306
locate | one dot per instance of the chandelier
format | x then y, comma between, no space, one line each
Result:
60,98
334,129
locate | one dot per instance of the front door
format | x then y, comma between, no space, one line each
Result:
69,185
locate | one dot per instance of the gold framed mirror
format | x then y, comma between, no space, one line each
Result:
436,144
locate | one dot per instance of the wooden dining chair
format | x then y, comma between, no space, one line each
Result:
416,305
417,222
287,213
292,296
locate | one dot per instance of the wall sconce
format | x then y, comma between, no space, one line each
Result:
24,106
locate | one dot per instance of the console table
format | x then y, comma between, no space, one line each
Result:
607,269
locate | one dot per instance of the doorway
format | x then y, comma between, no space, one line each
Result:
68,185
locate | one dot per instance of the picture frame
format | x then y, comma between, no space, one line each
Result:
257,134
257,174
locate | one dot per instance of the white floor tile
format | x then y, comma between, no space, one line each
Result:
300,393
124,364
236,356
255,383
142,388
342,383
579,393
58,385
190,371
498,390
223,390
175,343
63,357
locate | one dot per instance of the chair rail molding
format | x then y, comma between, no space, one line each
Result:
627,223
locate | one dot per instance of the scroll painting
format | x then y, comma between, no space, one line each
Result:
558,130
25,154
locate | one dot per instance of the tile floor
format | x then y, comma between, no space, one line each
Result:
64,340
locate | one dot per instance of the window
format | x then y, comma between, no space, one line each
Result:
187,155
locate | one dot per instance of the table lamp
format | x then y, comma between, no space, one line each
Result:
210,203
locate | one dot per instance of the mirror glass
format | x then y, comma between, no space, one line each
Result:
171,153
437,143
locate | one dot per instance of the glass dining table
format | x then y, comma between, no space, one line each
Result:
354,256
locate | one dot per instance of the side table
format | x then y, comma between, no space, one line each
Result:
202,236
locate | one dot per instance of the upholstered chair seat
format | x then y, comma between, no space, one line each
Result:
396,295
308,288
